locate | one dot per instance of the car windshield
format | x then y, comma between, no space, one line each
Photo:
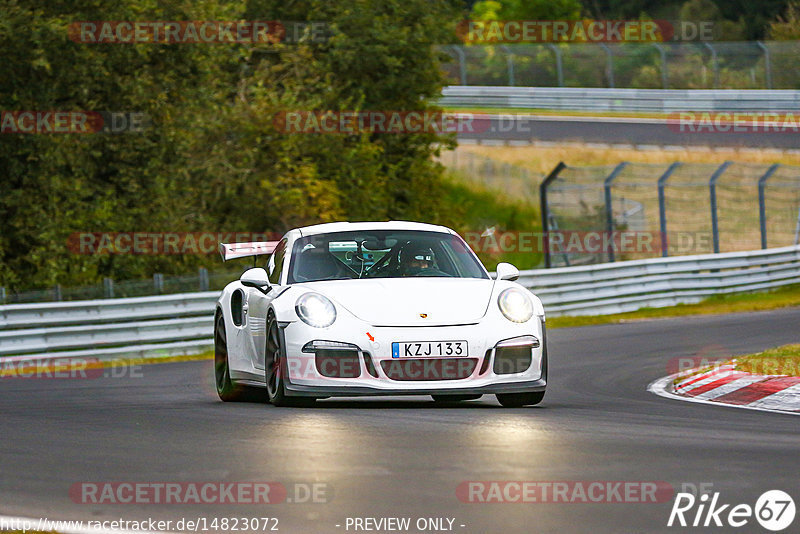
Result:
382,254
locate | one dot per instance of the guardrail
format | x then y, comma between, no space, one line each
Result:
183,324
657,282
106,310
164,325
604,99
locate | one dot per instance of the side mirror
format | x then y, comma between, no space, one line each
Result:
255,277
506,271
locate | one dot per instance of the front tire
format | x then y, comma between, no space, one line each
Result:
275,369
516,400
227,390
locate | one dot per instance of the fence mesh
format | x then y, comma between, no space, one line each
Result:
580,200
575,201
781,200
578,207
671,65
502,178
687,209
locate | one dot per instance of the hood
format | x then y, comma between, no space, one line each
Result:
402,301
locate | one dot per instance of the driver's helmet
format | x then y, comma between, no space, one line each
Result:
416,257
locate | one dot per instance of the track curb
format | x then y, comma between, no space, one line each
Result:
723,385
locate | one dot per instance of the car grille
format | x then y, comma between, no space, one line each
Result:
426,369
338,363
510,360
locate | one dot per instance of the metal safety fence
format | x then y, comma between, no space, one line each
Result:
669,65
657,282
158,284
110,328
639,100
633,210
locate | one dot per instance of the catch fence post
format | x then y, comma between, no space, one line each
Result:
662,207
712,192
610,208
544,209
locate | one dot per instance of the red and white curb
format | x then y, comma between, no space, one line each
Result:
724,385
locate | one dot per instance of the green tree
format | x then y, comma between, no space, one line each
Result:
787,26
54,185
527,10
213,159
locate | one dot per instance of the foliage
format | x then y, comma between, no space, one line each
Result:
474,210
213,159
787,26
526,10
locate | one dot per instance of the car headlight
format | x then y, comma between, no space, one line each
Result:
516,305
315,310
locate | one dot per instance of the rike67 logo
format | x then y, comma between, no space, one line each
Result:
774,510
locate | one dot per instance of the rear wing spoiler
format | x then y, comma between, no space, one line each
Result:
231,251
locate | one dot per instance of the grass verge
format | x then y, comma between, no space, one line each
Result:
781,361
784,360
542,159
474,209
744,302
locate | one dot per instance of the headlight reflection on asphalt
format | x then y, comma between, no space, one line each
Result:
325,444
513,431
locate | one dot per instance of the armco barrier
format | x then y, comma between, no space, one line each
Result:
163,325
106,310
657,282
183,323
602,99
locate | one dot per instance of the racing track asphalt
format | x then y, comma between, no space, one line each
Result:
404,457
621,130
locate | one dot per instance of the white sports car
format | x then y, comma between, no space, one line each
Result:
377,308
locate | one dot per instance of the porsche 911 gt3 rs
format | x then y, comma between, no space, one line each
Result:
377,308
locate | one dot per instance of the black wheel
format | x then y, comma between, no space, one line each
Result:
515,400
455,398
226,389
275,369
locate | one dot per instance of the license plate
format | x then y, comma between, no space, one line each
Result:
429,349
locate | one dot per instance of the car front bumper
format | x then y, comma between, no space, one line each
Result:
303,376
